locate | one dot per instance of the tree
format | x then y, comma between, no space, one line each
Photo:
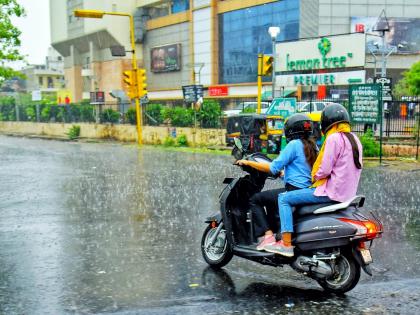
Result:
409,85
9,38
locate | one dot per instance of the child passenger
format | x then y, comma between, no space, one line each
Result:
335,174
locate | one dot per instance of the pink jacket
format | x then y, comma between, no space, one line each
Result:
338,167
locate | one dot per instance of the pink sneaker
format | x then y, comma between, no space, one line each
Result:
280,248
267,240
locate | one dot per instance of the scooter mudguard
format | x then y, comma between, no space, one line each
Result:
322,231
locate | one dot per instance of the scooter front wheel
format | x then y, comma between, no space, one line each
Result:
218,254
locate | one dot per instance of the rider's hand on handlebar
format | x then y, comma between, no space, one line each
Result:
241,162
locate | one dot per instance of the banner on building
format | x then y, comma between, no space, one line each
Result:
325,53
165,58
403,35
64,97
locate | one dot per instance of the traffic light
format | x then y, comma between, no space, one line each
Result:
130,80
141,81
267,66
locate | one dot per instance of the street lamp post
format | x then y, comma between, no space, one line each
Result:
274,31
96,14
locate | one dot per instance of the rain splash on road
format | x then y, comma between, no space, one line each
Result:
106,228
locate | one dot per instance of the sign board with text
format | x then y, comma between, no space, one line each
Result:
325,53
313,79
220,90
284,107
192,93
365,103
165,58
386,87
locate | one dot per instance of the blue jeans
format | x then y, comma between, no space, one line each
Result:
293,198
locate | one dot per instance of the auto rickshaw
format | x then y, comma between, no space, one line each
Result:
258,133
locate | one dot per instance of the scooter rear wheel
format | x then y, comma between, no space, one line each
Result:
218,254
346,276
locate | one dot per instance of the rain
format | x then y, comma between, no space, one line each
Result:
106,228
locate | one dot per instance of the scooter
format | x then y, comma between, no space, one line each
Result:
332,240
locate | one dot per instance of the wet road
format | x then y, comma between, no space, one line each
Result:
106,228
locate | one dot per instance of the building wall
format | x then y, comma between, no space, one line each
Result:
58,20
335,16
174,34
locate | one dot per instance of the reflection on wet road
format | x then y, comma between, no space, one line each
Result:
106,228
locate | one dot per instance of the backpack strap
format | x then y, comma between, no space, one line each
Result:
355,148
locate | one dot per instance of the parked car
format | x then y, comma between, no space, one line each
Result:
247,107
309,107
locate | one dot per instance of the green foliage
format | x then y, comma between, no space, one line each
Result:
370,145
209,114
31,113
10,41
179,116
249,110
74,132
109,115
169,142
131,116
154,112
409,85
182,141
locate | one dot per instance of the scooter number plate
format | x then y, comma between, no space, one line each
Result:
367,257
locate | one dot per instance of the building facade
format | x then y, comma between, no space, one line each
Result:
214,43
48,77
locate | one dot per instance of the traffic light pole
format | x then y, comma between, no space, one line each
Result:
260,61
136,99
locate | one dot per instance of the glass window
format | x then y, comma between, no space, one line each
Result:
40,81
180,6
244,34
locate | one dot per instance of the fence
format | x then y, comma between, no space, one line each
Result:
400,116
208,116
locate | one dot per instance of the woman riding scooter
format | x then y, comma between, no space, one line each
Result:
296,160
335,174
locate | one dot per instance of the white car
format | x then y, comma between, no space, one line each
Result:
244,106
311,107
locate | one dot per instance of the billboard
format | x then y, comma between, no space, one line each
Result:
403,34
64,97
166,58
325,53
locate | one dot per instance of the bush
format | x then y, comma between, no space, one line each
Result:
169,142
370,145
209,114
131,116
74,132
30,112
182,141
109,115
87,113
154,113
179,116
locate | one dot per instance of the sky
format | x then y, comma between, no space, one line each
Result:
35,28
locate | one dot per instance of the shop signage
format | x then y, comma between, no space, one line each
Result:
333,52
192,93
365,103
166,58
284,107
331,78
97,97
220,90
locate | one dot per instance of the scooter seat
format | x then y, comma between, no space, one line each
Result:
320,208
302,210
